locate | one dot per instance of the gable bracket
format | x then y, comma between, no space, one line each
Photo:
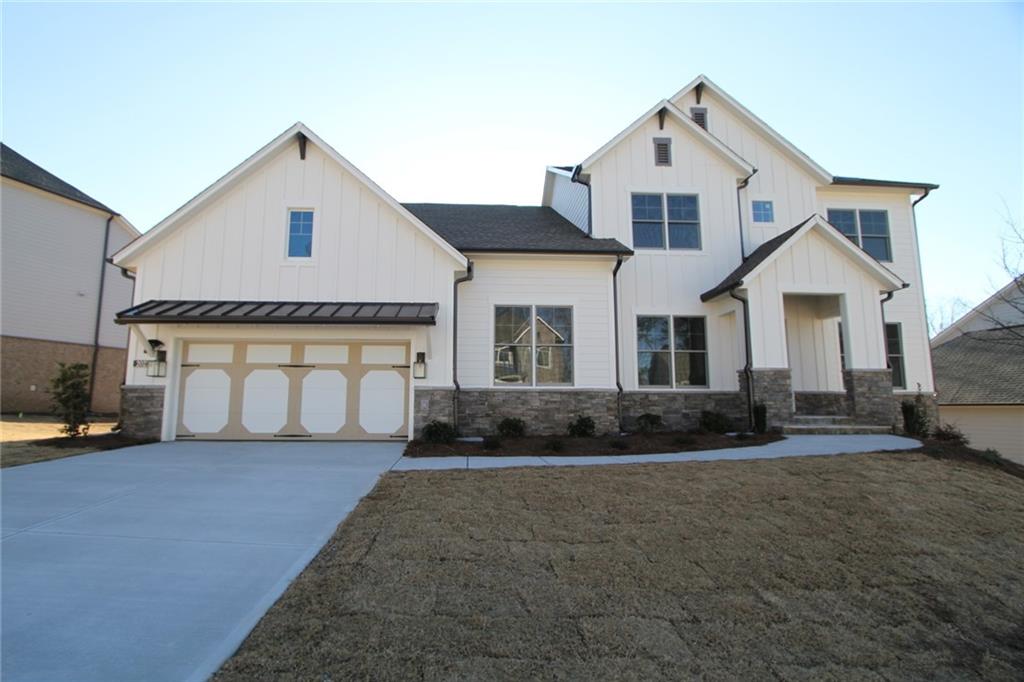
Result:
661,118
700,91
302,146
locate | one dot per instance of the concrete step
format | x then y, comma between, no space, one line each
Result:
817,420
833,429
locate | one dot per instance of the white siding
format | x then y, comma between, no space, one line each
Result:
568,198
52,253
812,342
363,250
989,426
584,284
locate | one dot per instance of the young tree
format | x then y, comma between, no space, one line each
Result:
69,391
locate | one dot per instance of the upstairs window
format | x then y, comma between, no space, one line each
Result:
300,234
533,345
662,151
660,219
868,229
763,211
700,116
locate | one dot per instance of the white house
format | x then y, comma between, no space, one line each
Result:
58,294
697,261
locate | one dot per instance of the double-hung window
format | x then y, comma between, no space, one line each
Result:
671,351
666,219
300,234
894,352
868,229
533,345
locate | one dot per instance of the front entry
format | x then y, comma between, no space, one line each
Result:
300,390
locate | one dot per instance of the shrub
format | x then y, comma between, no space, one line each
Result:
647,422
511,427
554,445
438,431
69,391
491,442
990,455
915,416
760,418
619,444
582,427
715,422
950,433
684,441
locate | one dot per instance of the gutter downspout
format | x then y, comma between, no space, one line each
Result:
99,310
619,260
885,337
748,369
590,198
739,212
129,276
455,341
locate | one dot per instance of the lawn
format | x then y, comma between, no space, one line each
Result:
875,566
37,438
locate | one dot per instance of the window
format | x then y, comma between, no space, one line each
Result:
671,351
700,116
842,348
533,345
300,234
763,211
867,229
662,151
894,350
651,230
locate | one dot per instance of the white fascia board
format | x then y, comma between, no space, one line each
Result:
807,162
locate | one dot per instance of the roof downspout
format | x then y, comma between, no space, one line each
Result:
590,198
455,341
748,369
885,337
99,309
128,276
739,212
619,260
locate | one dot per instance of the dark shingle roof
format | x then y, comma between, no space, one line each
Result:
15,166
981,368
869,182
280,312
735,278
526,229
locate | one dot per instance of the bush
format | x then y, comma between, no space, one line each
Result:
491,442
440,432
511,427
647,422
684,441
760,418
950,433
69,392
582,427
990,455
915,416
555,445
619,444
715,422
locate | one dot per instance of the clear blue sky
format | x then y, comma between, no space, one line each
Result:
143,105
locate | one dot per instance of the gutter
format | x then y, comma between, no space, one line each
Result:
748,369
739,212
468,277
590,197
615,323
129,276
99,310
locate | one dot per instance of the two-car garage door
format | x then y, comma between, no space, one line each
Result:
275,390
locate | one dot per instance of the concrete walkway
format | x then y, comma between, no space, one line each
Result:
791,446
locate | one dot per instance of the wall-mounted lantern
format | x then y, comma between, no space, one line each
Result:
157,367
419,368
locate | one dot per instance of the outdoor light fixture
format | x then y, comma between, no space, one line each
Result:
419,368
158,366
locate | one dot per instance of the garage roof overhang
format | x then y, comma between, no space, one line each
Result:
279,312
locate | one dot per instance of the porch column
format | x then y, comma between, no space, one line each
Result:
772,378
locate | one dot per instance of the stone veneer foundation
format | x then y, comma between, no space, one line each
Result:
680,410
822,403
870,397
773,388
142,411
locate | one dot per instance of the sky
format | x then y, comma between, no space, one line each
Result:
143,105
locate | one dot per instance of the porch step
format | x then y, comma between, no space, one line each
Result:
819,420
833,429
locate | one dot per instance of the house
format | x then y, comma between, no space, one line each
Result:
697,261
57,292
979,373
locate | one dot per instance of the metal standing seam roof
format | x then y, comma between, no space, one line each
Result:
980,368
16,167
279,312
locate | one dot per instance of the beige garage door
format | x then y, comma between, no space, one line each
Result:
272,390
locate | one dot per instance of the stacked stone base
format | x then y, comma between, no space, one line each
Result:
680,411
142,411
821,403
869,396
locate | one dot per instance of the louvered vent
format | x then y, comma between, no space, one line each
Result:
662,151
700,116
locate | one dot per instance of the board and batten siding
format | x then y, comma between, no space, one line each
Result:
234,248
568,198
51,259
583,283
1000,427
812,343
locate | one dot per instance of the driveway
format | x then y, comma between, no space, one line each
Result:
154,562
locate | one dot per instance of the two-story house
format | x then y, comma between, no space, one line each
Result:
696,261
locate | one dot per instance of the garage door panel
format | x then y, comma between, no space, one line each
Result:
324,401
207,401
382,402
265,401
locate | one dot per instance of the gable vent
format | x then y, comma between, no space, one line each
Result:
700,116
662,151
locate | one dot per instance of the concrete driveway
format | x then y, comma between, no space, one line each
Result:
154,562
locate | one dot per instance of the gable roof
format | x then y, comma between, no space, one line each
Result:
785,145
980,368
298,130
687,123
511,229
16,167
956,328
771,249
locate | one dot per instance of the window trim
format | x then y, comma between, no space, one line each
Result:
533,345
288,233
902,355
860,233
667,141
665,247
672,353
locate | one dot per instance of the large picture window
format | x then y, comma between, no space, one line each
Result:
666,219
533,345
671,352
868,229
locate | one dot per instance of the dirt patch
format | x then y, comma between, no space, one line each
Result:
35,438
895,565
565,446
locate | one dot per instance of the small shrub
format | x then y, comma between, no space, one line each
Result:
619,444
950,433
555,445
69,391
915,416
715,422
439,432
582,427
684,441
760,418
491,442
990,455
511,427
648,423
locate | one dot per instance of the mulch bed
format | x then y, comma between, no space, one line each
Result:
565,446
100,441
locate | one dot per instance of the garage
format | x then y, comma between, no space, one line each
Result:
274,390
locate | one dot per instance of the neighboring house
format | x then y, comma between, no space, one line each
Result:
59,295
697,261
979,373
